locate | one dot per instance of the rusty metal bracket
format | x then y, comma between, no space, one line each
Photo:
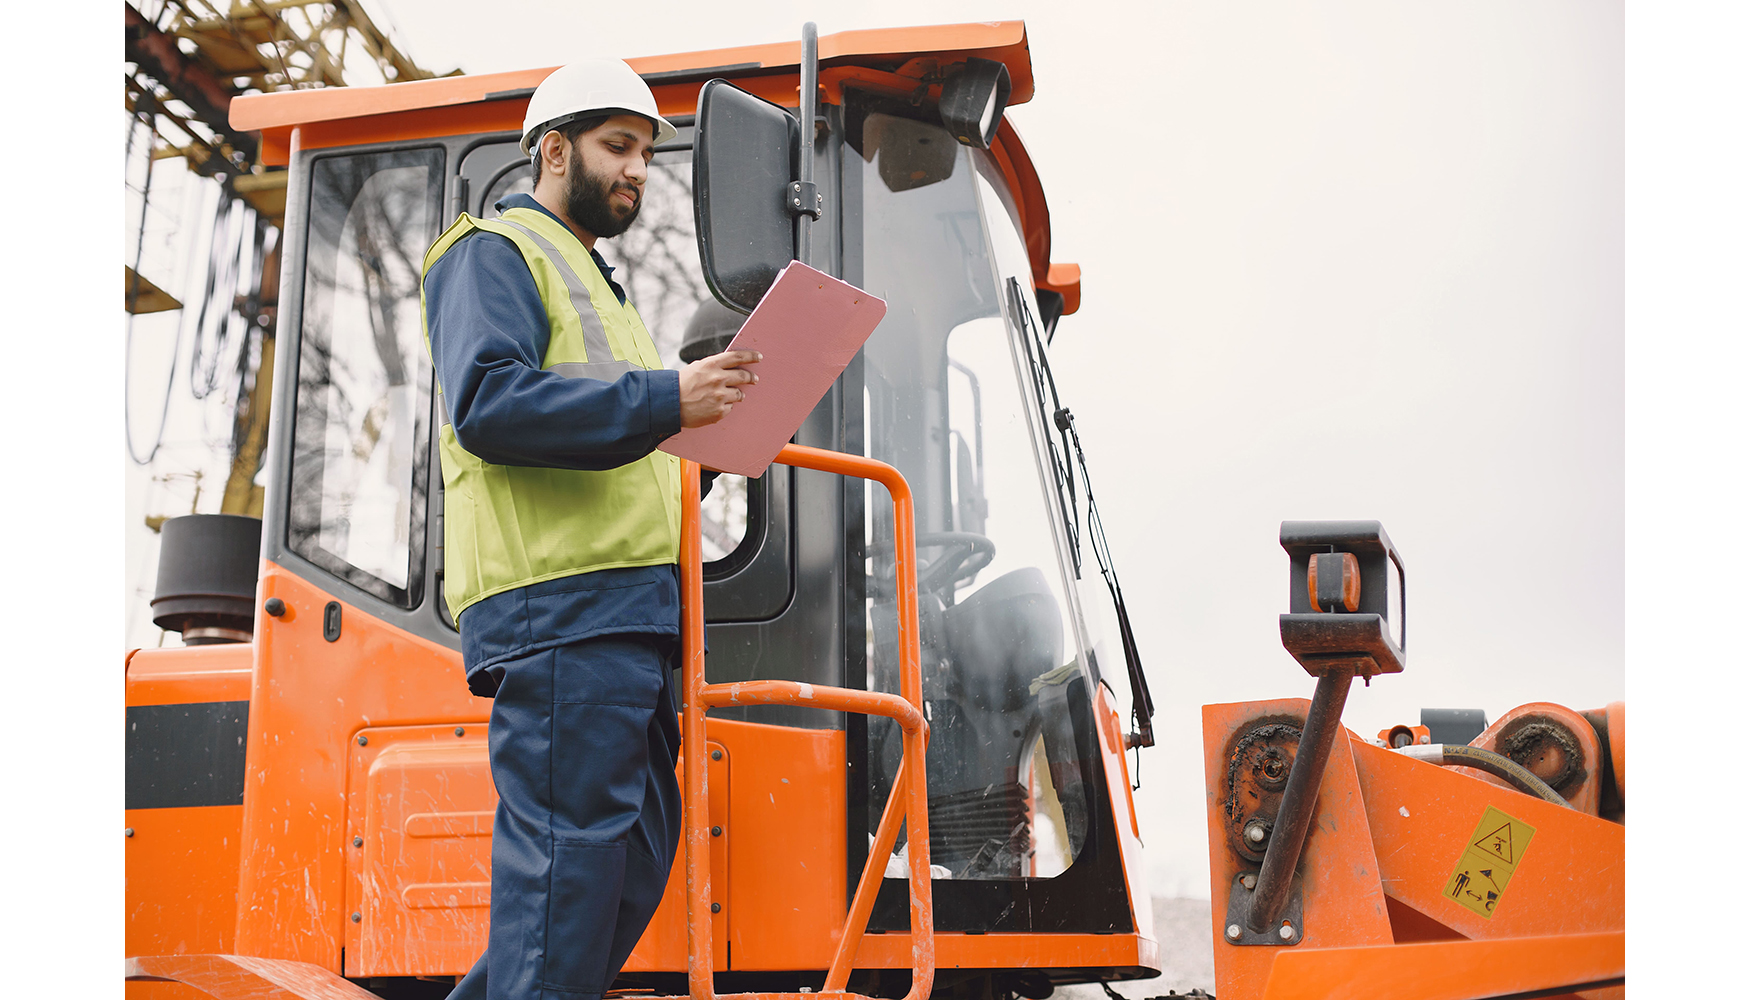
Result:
1239,901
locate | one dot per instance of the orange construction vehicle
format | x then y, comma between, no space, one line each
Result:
309,806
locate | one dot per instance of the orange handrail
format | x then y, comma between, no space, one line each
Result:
906,709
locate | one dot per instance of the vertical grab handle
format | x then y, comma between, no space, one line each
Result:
910,785
696,806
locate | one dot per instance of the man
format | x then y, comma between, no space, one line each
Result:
562,535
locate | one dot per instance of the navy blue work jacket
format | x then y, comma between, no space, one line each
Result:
489,334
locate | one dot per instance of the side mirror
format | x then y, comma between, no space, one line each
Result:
973,101
1339,597
744,157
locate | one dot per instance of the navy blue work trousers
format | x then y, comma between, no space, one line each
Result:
583,746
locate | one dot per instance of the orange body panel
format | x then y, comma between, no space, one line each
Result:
189,674
1005,41
182,879
1449,970
181,887
1569,882
421,800
1393,830
181,864
309,701
786,896
1342,902
419,835
664,944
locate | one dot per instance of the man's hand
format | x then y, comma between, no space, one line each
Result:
711,386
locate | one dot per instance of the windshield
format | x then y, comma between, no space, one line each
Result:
1005,690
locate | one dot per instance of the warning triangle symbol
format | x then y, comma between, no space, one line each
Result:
1498,844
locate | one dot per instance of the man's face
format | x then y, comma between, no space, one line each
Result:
604,186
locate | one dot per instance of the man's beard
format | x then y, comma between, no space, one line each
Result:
592,204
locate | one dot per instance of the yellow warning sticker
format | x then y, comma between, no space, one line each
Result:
1491,856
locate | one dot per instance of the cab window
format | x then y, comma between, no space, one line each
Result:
359,462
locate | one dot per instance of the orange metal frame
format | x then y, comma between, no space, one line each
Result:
890,59
1387,832
905,708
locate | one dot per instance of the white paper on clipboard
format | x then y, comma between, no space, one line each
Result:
807,328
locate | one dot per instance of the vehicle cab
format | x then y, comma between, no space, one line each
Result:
360,843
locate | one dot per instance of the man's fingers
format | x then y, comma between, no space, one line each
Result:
733,359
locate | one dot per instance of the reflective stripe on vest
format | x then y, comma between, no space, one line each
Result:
511,526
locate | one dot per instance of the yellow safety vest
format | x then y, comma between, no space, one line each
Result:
508,526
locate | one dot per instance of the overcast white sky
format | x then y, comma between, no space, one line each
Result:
1341,260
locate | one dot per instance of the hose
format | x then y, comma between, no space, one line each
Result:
1486,760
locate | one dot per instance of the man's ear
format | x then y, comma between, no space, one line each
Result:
552,148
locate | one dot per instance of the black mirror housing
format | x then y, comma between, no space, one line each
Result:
1358,639
973,101
745,149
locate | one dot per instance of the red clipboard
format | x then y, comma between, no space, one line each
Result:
807,328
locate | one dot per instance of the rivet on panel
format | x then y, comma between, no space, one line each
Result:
460,730
716,755
363,739
356,918
358,841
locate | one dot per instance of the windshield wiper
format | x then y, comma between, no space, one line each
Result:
1142,707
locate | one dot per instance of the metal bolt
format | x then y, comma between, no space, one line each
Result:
274,607
460,730
363,739
1249,881
1286,933
1233,932
716,907
716,831
356,918
358,841
716,755
1255,832
806,989
129,831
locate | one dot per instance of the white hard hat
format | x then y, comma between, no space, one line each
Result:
587,87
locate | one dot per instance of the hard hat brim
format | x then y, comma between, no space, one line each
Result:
665,132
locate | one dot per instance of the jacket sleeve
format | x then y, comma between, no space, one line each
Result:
488,331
